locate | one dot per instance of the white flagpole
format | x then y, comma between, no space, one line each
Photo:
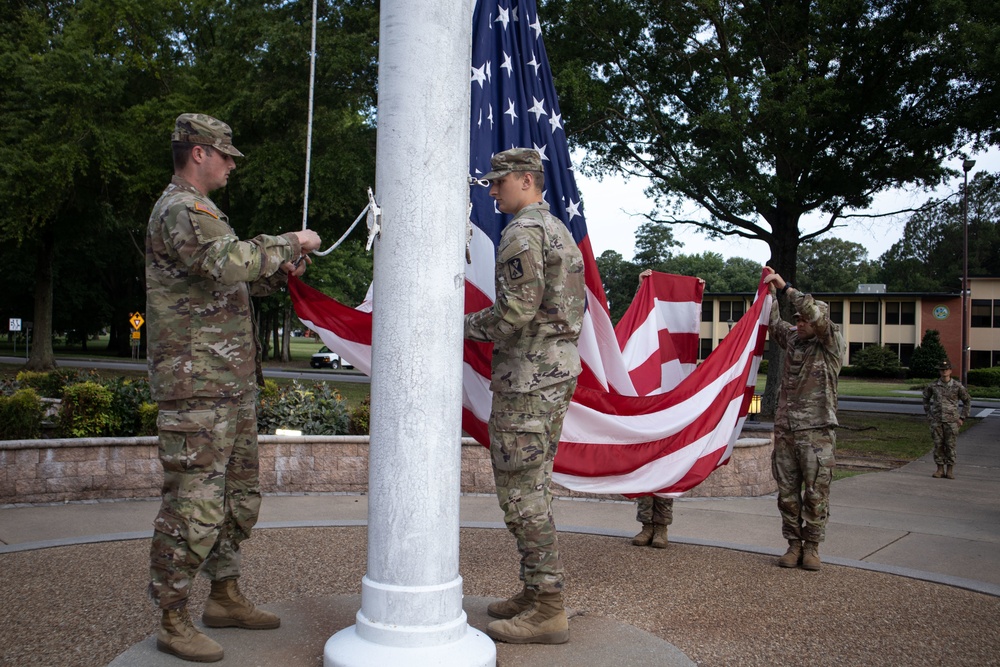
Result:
309,121
411,595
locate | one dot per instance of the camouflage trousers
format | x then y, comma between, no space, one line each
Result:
211,494
524,434
656,510
944,435
802,465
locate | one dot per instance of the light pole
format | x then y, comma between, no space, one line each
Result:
967,165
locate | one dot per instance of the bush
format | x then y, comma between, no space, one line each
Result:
763,367
87,411
128,396
984,377
318,410
148,412
361,418
53,383
21,415
927,356
877,361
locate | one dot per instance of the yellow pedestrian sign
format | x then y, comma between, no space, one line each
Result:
135,319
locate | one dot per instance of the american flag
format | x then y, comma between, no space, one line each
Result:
644,419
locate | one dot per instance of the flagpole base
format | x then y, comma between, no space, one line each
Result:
348,649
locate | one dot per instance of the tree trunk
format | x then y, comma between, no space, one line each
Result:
42,358
784,245
286,336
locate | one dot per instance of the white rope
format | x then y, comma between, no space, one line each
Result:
341,239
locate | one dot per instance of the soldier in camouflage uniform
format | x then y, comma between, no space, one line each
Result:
804,440
941,400
202,365
534,325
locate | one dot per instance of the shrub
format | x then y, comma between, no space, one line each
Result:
148,412
984,377
21,415
53,383
927,356
763,367
361,418
128,396
317,410
87,411
877,361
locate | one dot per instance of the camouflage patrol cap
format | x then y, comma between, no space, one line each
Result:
822,310
514,159
197,128
944,365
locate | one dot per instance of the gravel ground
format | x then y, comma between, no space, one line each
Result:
83,605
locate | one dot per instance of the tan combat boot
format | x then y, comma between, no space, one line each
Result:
951,472
939,473
810,556
793,555
544,623
513,606
659,537
178,636
227,608
644,537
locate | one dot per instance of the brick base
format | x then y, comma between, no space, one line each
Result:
47,471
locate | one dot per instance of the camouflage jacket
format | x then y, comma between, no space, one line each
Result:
199,279
536,319
808,395
941,401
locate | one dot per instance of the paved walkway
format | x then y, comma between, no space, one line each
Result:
901,522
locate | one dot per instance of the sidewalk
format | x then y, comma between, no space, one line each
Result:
901,522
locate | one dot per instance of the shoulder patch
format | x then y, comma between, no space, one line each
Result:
201,208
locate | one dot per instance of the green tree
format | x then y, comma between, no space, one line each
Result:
621,280
764,112
927,355
928,257
834,265
652,245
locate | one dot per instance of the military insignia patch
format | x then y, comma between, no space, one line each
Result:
515,270
200,208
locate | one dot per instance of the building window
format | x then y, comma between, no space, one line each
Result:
706,310
903,350
996,315
901,312
981,314
731,310
864,312
980,358
837,312
704,348
852,349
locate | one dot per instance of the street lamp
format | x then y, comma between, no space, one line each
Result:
967,165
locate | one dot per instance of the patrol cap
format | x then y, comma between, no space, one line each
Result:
824,311
944,365
197,128
514,159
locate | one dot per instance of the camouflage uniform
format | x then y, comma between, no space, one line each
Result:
202,359
804,440
941,405
654,510
534,324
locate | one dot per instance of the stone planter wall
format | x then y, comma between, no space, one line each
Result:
46,471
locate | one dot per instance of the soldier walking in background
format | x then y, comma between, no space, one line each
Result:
804,440
941,400
203,367
534,325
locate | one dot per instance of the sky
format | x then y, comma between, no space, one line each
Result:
614,210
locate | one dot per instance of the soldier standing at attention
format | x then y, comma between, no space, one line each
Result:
941,405
203,363
804,440
534,325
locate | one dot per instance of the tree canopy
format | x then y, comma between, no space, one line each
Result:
91,91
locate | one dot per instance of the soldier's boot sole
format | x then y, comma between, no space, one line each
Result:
510,632
164,647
